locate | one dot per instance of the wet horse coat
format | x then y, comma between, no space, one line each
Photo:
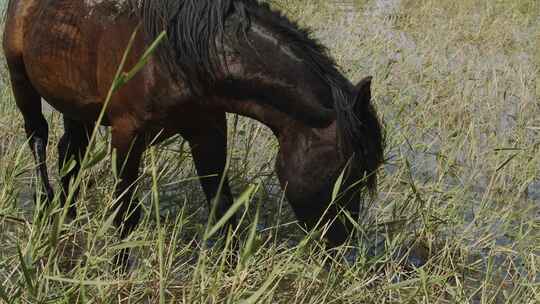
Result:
220,56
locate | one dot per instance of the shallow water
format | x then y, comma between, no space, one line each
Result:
423,158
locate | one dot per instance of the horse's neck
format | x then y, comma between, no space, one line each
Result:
277,121
271,102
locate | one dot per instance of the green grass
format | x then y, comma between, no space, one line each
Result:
456,83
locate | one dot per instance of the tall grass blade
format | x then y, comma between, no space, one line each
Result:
250,242
28,271
242,200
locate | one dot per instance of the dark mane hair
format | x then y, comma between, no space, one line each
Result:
192,53
194,29
300,40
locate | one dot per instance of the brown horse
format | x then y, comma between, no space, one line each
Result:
219,56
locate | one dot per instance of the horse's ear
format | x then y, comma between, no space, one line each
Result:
362,92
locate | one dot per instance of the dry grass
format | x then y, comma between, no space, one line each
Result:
457,84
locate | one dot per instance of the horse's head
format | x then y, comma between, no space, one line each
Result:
312,160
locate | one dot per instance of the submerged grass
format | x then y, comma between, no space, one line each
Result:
457,85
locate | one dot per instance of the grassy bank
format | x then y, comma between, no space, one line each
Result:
456,83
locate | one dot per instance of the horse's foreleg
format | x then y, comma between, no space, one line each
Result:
129,147
37,131
72,146
209,149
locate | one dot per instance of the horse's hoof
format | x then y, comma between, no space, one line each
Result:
416,261
418,256
412,255
351,256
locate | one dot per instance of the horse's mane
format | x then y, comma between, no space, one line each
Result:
300,41
194,54
195,28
